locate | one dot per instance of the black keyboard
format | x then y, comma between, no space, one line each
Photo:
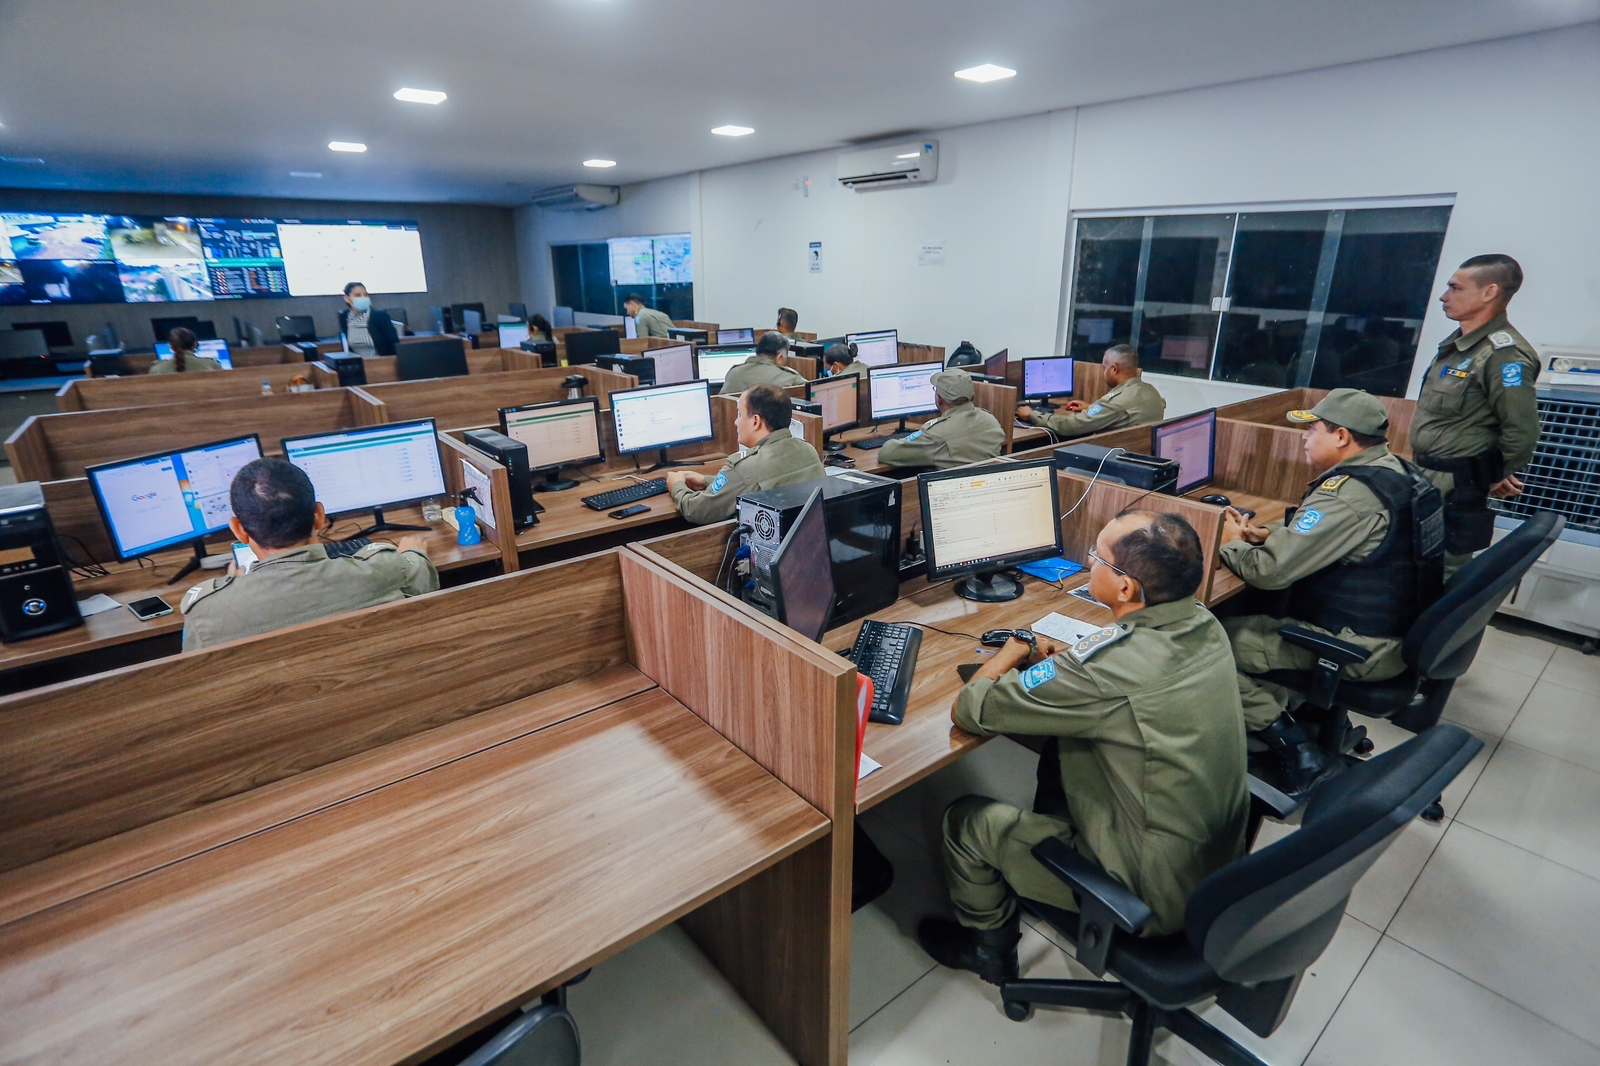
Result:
639,490
870,443
887,653
336,548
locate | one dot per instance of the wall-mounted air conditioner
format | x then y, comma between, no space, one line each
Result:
912,163
578,197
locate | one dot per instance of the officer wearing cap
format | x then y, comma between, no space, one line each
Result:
275,511
1143,766
774,457
1129,400
1359,559
961,433
762,368
1477,417
840,358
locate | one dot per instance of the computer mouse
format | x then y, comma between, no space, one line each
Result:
996,638
1216,498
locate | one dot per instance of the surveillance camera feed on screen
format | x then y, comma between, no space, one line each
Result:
49,258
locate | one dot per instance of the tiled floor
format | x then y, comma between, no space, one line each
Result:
1471,942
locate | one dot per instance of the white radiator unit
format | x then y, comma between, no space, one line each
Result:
578,197
911,163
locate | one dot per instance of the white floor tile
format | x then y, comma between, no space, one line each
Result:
1522,654
1573,669
1386,735
1381,890
1407,1010
1486,699
1521,926
885,959
1541,804
1560,721
1001,769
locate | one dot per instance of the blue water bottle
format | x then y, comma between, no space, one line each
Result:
467,520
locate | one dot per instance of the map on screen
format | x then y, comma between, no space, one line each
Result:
632,262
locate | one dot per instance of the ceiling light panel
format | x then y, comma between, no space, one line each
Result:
420,96
347,146
985,73
600,164
733,131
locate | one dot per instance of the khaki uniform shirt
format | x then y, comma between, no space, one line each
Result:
651,323
780,459
1152,747
1132,403
192,363
759,370
300,586
856,367
964,434
1479,394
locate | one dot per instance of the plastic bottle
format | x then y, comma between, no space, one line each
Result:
467,520
266,388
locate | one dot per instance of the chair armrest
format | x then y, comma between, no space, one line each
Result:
1339,651
1104,904
1273,804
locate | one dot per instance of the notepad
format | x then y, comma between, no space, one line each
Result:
1059,627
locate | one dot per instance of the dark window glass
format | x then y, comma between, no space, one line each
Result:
1107,270
1186,271
568,278
1270,288
599,297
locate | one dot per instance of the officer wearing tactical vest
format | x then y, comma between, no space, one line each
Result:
774,458
1129,401
962,433
1361,558
275,511
1144,766
762,368
1477,417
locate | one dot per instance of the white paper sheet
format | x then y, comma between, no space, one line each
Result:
868,764
1060,628
97,604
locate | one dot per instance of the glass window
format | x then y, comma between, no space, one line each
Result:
1187,268
583,277
1270,288
1108,267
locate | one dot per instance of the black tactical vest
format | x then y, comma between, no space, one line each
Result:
1384,593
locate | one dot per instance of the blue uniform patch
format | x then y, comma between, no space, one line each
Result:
1511,375
1038,674
1096,409
719,483
1307,520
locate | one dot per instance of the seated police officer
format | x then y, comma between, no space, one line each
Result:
1129,400
1144,766
1361,557
772,457
962,433
762,368
840,358
788,322
275,511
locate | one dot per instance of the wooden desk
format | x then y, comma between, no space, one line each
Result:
566,519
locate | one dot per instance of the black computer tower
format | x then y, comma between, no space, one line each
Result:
862,515
1120,466
352,369
513,455
36,594
684,333
643,367
809,349
545,350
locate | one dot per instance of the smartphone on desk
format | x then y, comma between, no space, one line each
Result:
243,557
149,607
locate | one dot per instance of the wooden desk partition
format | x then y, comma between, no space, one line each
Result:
382,369
1264,460
1106,500
1271,409
475,400
1000,401
502,534
97,394
804,365
911,352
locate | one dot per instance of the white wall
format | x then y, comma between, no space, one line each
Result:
1511,128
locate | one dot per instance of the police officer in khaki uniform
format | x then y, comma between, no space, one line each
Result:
840,358
762,368
962,433
1129,401
788,322
1144,720
1477,417
647,321
775,457
293,580
1361,558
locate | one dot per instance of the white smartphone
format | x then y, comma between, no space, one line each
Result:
243,557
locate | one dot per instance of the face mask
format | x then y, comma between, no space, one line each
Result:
362,304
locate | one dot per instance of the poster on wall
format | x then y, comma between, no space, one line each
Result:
816,257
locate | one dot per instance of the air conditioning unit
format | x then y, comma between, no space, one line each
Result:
578,197
911,163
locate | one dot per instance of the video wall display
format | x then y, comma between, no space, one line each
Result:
50,258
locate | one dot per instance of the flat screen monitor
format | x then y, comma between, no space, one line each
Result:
1191,442
557,434
292,328
217,350
980,520
838,397
662,416
458,312
736,336
1046,377
202,329
878,348
471,322
23,344
56,334
171,498
372,467
584,346
715,362
674,363
802,572
512,334
442,358
902,390
995,365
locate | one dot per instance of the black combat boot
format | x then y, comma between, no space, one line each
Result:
989,953
1302,764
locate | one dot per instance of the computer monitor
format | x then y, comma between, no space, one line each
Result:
163,327
659,417
1191,442
292,328
674,363
23,344
715,361
442,358
371,468
995,365
512,334
56,334
902,390
1046,377
217,350
557,434
399,316
170,498
736,336
458,314
583,346
802,572
978,521
471,322
878,348
839,397
517,311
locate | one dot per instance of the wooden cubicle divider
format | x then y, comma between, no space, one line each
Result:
98,394
1000,401
1106,500
475,400
1261,459
383,369
804,365
264,355
502,534
687,323
1272,409
911,352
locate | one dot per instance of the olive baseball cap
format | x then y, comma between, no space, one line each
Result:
953,385
1357,411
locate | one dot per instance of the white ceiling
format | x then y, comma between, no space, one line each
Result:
229,96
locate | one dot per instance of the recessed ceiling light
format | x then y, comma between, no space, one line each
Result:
733,131
22,160
347,146
599,164
986,72
420,96
305,173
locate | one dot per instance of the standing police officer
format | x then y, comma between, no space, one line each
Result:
762,368
775,457
1477,417
962,433
1130,401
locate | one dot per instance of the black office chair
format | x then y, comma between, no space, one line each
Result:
517,311
1252,928
545,1035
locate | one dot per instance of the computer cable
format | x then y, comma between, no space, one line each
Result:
1105,459
92,568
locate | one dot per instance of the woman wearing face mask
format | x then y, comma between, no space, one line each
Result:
367,332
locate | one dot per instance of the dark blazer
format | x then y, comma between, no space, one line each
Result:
385,341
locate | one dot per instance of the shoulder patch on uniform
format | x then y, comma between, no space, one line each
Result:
1096,409
1511,375
718,483
201,591
1502,339
1099,640
914,436
1333,483
1038,674
1307,520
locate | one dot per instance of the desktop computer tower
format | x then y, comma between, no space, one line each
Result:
862,515
352,369
36,594
1124,467
642,368
809,349
513,455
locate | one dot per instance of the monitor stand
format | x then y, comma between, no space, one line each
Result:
988,586
831,443
663,462
380,525
555,483
1042,403
192,565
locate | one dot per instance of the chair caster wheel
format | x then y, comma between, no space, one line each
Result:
1363,746
1018,1012
1433,812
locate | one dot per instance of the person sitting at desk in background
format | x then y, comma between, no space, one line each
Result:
774,457
647,321
275,511
1361,559
539,329
1129,400
366,332
1143,768
962,433
182,342
762,368
788,320
840,358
